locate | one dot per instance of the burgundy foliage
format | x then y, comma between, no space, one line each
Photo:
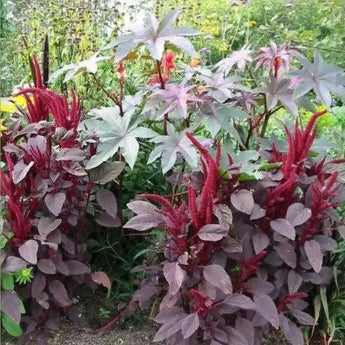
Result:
241,257
46,191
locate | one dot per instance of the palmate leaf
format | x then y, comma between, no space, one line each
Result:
221,88
116,133
154,36
237,57
280,90
72,69
321,77
170,146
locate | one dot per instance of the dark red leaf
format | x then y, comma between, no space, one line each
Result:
174,275
287,252
10,304
59,292
76,267
283,227
266,307
298,214
55,202
13,264
107,201
28,251
190,325
243,201
218,277
212,232
101,279
314,254
38,284
46,266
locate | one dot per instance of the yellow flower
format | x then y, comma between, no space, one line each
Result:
2,127
9,105
252,23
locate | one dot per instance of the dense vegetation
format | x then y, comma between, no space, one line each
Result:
192,166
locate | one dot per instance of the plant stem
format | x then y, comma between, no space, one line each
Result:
101,86
162,82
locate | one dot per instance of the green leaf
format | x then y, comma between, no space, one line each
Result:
7,281
10,326
22,308
115,133
3,241
270,166
324,302
246,177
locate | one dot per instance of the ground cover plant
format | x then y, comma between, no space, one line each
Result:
242,220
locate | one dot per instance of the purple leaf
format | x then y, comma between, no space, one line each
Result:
287,252
107,201
59,292
38,284
190,324
20,170
278,89
46,225
212,232
294,281
326,243
224,214
174,275
55,202
303,318
13,264
283,227
297,214
106,220
236,337
243,201
70,154
245,327
167,330
42,300
101,278
257,212
167,315
76,267
258,286
106,172
292,333
230,245
260,242
46,266
28,251
147,216
314,255
266,307
10,304
240,301
218,277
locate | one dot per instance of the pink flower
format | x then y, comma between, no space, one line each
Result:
294,82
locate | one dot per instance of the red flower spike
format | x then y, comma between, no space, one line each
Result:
289,299
202,305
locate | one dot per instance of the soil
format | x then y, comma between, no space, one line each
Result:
70,334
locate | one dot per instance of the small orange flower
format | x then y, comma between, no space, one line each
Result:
195,62
201,88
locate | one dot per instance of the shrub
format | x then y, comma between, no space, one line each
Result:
242,257
46,191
